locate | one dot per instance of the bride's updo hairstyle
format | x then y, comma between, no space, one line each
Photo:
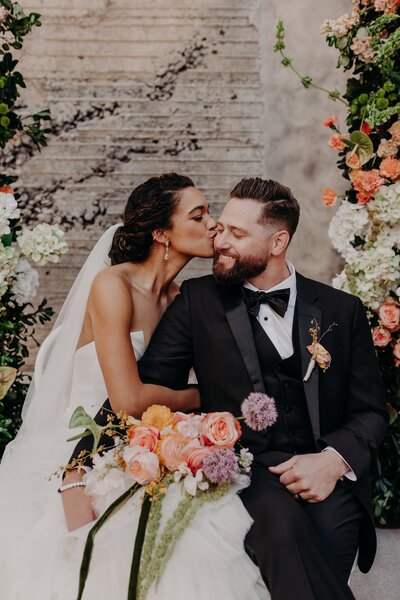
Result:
150,206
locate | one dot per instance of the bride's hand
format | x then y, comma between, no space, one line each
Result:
77,505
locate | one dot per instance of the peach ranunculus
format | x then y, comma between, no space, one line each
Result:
381,337
221,429
158,416
335,141
141,465
330,121
352,160
194,457
144,436
390,168
329,196
172,450
389,314
394,130
388,148
366,182
396,353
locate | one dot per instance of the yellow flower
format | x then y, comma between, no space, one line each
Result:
7,378
158,416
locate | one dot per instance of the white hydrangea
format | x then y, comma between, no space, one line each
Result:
8,263
8,210
386,203
389,236
25,283
44,243
350,220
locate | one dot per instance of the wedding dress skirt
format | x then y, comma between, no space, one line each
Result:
40,559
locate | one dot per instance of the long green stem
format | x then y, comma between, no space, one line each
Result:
137,551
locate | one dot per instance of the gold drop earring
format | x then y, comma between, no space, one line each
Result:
166,255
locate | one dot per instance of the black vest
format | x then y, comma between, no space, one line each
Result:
283,380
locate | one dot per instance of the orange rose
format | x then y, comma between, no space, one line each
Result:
396,353
143,436
390,168
172,450
195,457
158,416
142,466
329,196
221,429
389,314
335,141
381,337
330,121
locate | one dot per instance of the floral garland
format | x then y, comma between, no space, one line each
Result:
366,227
19,246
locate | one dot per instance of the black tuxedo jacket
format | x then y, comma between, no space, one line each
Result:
207,327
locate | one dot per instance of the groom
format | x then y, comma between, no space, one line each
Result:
309,494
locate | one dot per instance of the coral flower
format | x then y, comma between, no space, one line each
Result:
390,168
335,141
366,182
381,337
330,121
329,196
6,189
158,416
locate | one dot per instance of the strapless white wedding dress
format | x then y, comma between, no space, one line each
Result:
40,559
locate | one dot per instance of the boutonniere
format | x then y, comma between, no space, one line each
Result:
319,354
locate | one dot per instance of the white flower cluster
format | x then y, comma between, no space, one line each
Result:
386,203
350,220
44,243
25,283
8,210
8,263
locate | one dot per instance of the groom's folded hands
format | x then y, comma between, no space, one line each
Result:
311,476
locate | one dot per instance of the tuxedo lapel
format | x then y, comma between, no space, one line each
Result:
307,311
239,323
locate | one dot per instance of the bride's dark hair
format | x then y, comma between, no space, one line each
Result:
150,206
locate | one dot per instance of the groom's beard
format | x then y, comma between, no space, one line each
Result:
241,270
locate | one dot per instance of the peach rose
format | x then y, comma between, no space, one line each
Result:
221,429
389,314
381,337
390,168
172,450
143,436
396,353
335,141
329,196
141,465
194,457
330,121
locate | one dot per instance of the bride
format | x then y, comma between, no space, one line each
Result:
91,353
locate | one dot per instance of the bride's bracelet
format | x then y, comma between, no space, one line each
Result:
69,486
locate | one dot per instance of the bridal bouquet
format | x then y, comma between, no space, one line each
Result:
195,451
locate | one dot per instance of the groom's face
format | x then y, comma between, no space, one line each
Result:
242,244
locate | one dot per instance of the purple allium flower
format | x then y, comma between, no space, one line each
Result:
221,465
259,411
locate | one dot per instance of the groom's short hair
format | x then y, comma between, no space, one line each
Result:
280,206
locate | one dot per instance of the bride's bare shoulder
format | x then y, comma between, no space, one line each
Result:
110,287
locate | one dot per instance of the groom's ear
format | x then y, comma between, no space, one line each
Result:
280,242
160,236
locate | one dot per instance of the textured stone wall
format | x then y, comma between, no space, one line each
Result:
138,88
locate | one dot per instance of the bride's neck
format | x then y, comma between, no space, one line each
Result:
156,274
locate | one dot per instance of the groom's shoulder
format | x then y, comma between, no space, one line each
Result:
205,284
326,291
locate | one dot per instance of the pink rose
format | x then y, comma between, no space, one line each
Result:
389,314
396,353
195,457
144,436
221,429
381,337
141,465
172,450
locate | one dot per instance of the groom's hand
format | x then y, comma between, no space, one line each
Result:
312,476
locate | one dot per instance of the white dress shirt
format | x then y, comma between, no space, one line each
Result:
279,329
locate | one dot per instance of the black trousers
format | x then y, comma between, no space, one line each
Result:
304,550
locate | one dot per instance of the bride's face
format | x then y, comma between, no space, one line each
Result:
193,228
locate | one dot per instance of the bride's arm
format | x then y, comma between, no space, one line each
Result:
77,504
111,312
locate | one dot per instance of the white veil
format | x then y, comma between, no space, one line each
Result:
40,446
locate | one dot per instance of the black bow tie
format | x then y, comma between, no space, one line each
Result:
278,301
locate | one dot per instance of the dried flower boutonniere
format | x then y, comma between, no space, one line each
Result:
319,354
